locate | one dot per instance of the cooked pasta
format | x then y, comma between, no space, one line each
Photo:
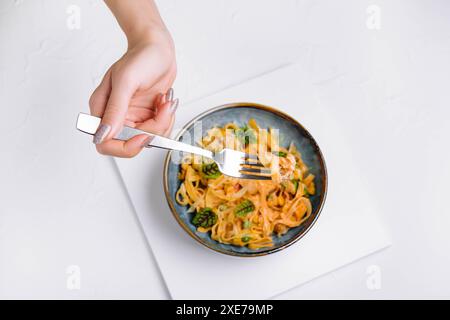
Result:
246,212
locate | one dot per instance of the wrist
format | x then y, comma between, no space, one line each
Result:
149,34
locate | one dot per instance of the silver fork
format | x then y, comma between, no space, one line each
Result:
230,162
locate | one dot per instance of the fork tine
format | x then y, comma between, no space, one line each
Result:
255,164
251,159
255,170
249,167
254,177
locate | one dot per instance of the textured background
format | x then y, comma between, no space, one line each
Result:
61,204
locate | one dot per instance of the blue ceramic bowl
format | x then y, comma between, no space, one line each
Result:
289,130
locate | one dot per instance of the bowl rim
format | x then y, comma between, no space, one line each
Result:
282,115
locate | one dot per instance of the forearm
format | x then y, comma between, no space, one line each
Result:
139,19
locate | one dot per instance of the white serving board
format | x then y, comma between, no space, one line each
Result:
347,229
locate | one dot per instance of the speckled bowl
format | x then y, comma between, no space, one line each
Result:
290,130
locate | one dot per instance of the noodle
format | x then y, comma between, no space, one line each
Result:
246,212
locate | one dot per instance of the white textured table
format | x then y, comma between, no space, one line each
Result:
62,205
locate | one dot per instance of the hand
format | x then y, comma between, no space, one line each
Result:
131,94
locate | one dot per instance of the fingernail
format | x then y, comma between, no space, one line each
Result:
147,141
161,100
174,105
101,133
169,95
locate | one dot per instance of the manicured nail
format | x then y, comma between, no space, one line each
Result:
160,100
147,141
174,105
101,133
169,95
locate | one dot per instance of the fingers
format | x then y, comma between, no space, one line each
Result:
115,111
123,149
169,130
162,122
139,114
99,98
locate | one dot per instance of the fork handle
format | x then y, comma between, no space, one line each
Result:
89,124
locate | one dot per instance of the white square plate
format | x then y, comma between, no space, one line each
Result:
346,230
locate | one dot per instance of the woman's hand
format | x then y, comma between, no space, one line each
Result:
136,91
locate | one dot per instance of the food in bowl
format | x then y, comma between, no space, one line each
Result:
243,212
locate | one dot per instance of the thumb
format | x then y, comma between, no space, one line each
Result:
115,111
